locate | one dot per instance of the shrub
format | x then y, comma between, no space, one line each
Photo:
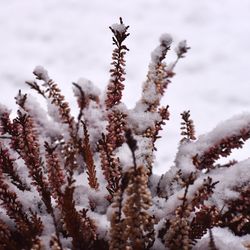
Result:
87,182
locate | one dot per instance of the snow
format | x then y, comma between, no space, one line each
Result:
96,124
121,28
157,54
166,39
181,45
227,128
87,87
230,241
225,190
150,94
41,73
142,120
165,42
47,126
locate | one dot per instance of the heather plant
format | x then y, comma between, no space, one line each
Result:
86,182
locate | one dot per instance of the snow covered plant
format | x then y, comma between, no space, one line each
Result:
87,182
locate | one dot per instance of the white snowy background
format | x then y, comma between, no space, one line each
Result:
71,39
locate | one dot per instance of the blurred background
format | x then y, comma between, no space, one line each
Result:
71,39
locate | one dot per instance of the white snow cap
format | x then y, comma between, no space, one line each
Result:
159,51
87,87
166,39
142,120
223,239
121,28
42,73
181,45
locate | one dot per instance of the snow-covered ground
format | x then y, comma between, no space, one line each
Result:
71,39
